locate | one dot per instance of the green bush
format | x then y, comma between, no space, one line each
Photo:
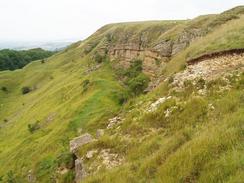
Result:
171,79
98,57
66,160
11,177
4,89
201,83
26,90
138,84
135,69
45,168
33,127
43,61
85,85
69,177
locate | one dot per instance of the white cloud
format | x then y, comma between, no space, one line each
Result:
62,19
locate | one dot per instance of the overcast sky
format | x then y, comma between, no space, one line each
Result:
49,20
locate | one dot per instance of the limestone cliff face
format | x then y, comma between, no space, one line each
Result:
124,54
125,47
154,43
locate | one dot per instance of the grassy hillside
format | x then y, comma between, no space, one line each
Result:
58,102
195,143
46,104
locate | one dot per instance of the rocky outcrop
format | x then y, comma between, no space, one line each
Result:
210,69
78,142
154,56
94,159
75,144
124,54
215,55
100,133
164,48
110,160
80,172
113,122
184,39
154,106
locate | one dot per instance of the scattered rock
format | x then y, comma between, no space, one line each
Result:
62,171
109,159
169,111
211,107
50,117
80,141
90,154
80,130
114,121
100,133
31,178
153,107
210,69
80,172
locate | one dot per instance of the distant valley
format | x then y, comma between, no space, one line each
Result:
26,45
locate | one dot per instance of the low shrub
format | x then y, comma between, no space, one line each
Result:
4,89
69,177
26,90
200,83
138,84
85,84
135,69
33,127
45,168
98,57
171,79
11,178
66,160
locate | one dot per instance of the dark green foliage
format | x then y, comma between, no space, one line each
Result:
69,177
158,62
85,84
201,83
43,61
26,90
135,69
183,66
98,57
66,160
12,59
4,89
171,79
33,127
11,177
122,97
138,84
136,81
45,167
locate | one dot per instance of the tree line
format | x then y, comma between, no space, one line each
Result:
12,59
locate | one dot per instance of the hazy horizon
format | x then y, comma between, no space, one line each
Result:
57,20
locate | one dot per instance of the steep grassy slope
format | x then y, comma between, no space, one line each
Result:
80,88
194,143
60,104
